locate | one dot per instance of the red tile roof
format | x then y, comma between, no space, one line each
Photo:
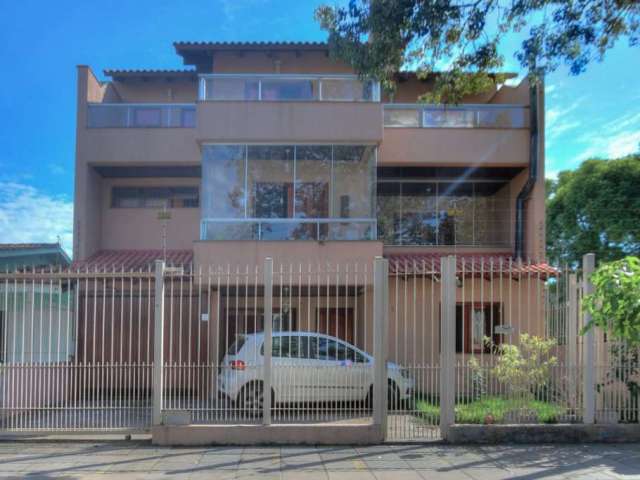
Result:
133,259
470,264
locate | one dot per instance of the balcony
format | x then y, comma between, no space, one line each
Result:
480,135
289,108
460,116
140,115
287,88
139,133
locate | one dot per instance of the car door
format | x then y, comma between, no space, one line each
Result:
358,371
288,368
334,373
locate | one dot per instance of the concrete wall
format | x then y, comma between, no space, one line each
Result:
139,228
248,252
454,147
325,122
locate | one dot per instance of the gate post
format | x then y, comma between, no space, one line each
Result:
572,338
158,344
589,346
448,343
380,327
268,314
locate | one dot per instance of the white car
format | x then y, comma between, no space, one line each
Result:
307,367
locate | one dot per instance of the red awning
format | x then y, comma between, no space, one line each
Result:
133,260
469,264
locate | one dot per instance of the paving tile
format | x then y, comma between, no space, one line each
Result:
486,473
397,475
351,476
305,475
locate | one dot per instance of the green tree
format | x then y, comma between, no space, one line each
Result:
615,307
381,37
595,208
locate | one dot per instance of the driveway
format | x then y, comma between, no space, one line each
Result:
124,460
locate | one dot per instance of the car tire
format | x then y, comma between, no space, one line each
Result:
251,399
393,397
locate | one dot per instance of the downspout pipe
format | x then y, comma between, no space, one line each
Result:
524,194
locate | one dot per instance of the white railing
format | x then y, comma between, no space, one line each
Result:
287,88
318,229
141,115
458,116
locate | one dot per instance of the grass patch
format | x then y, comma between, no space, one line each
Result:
497,407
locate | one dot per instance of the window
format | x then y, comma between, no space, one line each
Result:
474,323
154,197
332,350
288,192
433,212
147,117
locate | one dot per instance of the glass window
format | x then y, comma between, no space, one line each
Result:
389,210
283,192
353,190
418,219
147,117
401,117
455,213
231,89
346,90
285,89
444,213
154,197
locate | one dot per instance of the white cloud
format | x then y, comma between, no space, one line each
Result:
614,139
29,215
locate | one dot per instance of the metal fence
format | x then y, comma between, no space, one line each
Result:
466,340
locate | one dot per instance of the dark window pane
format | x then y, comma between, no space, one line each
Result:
155,197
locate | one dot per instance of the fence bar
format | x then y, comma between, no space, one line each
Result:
158,344
588,385
447,342
380,323
268,314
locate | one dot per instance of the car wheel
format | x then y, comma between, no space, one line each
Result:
393,397
251,398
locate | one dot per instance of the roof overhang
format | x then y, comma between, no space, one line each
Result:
146,75
201,53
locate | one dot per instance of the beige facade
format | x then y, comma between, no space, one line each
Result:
443,181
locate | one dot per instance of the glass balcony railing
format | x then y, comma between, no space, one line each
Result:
318,229
288,88
459,116
141,115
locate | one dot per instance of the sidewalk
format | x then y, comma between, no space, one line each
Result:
140,460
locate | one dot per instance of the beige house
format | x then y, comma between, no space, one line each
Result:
259,150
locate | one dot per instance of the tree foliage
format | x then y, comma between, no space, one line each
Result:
595,209
615,303
461,38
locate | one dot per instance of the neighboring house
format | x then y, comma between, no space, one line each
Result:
36,322
276,150
23,256
34,315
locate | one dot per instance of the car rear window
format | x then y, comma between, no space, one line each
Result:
237,345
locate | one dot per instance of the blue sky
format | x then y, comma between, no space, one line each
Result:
595,114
